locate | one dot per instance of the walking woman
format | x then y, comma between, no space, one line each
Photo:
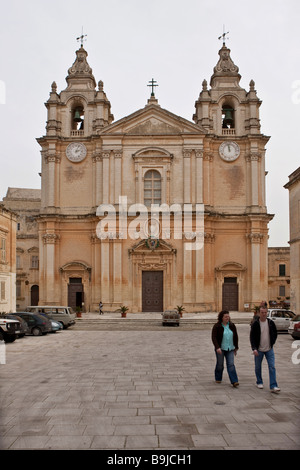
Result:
225,340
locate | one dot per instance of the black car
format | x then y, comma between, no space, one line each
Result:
23,327
37,324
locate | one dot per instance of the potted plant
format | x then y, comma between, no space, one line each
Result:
180,309
124,311
78,312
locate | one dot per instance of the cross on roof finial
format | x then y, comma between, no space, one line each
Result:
81,38
223,35
152,84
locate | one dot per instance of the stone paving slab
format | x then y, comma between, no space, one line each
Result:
152,390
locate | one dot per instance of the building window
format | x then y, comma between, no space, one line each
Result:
18,262
34,262
3,250
18,289
2,293
152,188
282,291
282,270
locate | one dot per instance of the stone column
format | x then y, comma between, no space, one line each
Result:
97,160
50,292
51,159
187,176
199,176
117,271
105,177
255,180
105,271
118,175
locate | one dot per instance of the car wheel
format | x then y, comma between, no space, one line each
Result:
36,331
9,338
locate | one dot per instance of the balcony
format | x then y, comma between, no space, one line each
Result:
76,133
228,131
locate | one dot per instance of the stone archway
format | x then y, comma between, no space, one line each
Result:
146,259
230,280
76,284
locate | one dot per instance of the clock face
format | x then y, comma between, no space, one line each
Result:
229,151
76,152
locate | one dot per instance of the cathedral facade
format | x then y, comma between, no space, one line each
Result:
153,211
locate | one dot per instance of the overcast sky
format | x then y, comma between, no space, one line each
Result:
129,42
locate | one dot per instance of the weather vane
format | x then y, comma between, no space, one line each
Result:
223,35
81,38
152,84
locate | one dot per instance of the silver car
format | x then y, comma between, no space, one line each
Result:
281,318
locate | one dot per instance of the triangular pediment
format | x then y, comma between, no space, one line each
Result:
153,120
149,246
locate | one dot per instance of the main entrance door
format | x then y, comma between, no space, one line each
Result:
230,294
152,291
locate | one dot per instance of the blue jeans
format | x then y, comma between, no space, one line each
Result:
270,357
229,356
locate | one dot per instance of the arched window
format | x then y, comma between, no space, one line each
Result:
152,188
227,117
77,118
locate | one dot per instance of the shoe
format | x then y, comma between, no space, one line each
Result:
235,384
275,389
259,385
218,381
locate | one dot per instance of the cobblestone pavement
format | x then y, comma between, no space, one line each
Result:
143,388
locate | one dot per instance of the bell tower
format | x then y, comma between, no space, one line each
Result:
234,182
72,180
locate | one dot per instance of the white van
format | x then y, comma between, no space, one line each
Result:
61,314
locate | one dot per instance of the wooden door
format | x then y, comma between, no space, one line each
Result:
34,295
230,294
152,291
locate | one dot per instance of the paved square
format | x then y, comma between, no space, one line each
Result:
139,389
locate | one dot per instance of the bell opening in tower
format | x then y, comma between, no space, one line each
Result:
227,117
78,118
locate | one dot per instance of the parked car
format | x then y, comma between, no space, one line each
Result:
37,324
56,326
23,324
64,315
294,327
9,329
170,317
281,317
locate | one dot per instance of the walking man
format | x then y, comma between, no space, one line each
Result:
100,308
263,336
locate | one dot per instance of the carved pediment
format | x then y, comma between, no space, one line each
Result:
153,120
154,126
156,246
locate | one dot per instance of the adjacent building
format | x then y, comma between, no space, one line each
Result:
26,204
293,187
279,274
8,223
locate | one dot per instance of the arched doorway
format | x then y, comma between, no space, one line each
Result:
34,295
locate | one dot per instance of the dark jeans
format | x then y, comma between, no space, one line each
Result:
229,357
270,357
